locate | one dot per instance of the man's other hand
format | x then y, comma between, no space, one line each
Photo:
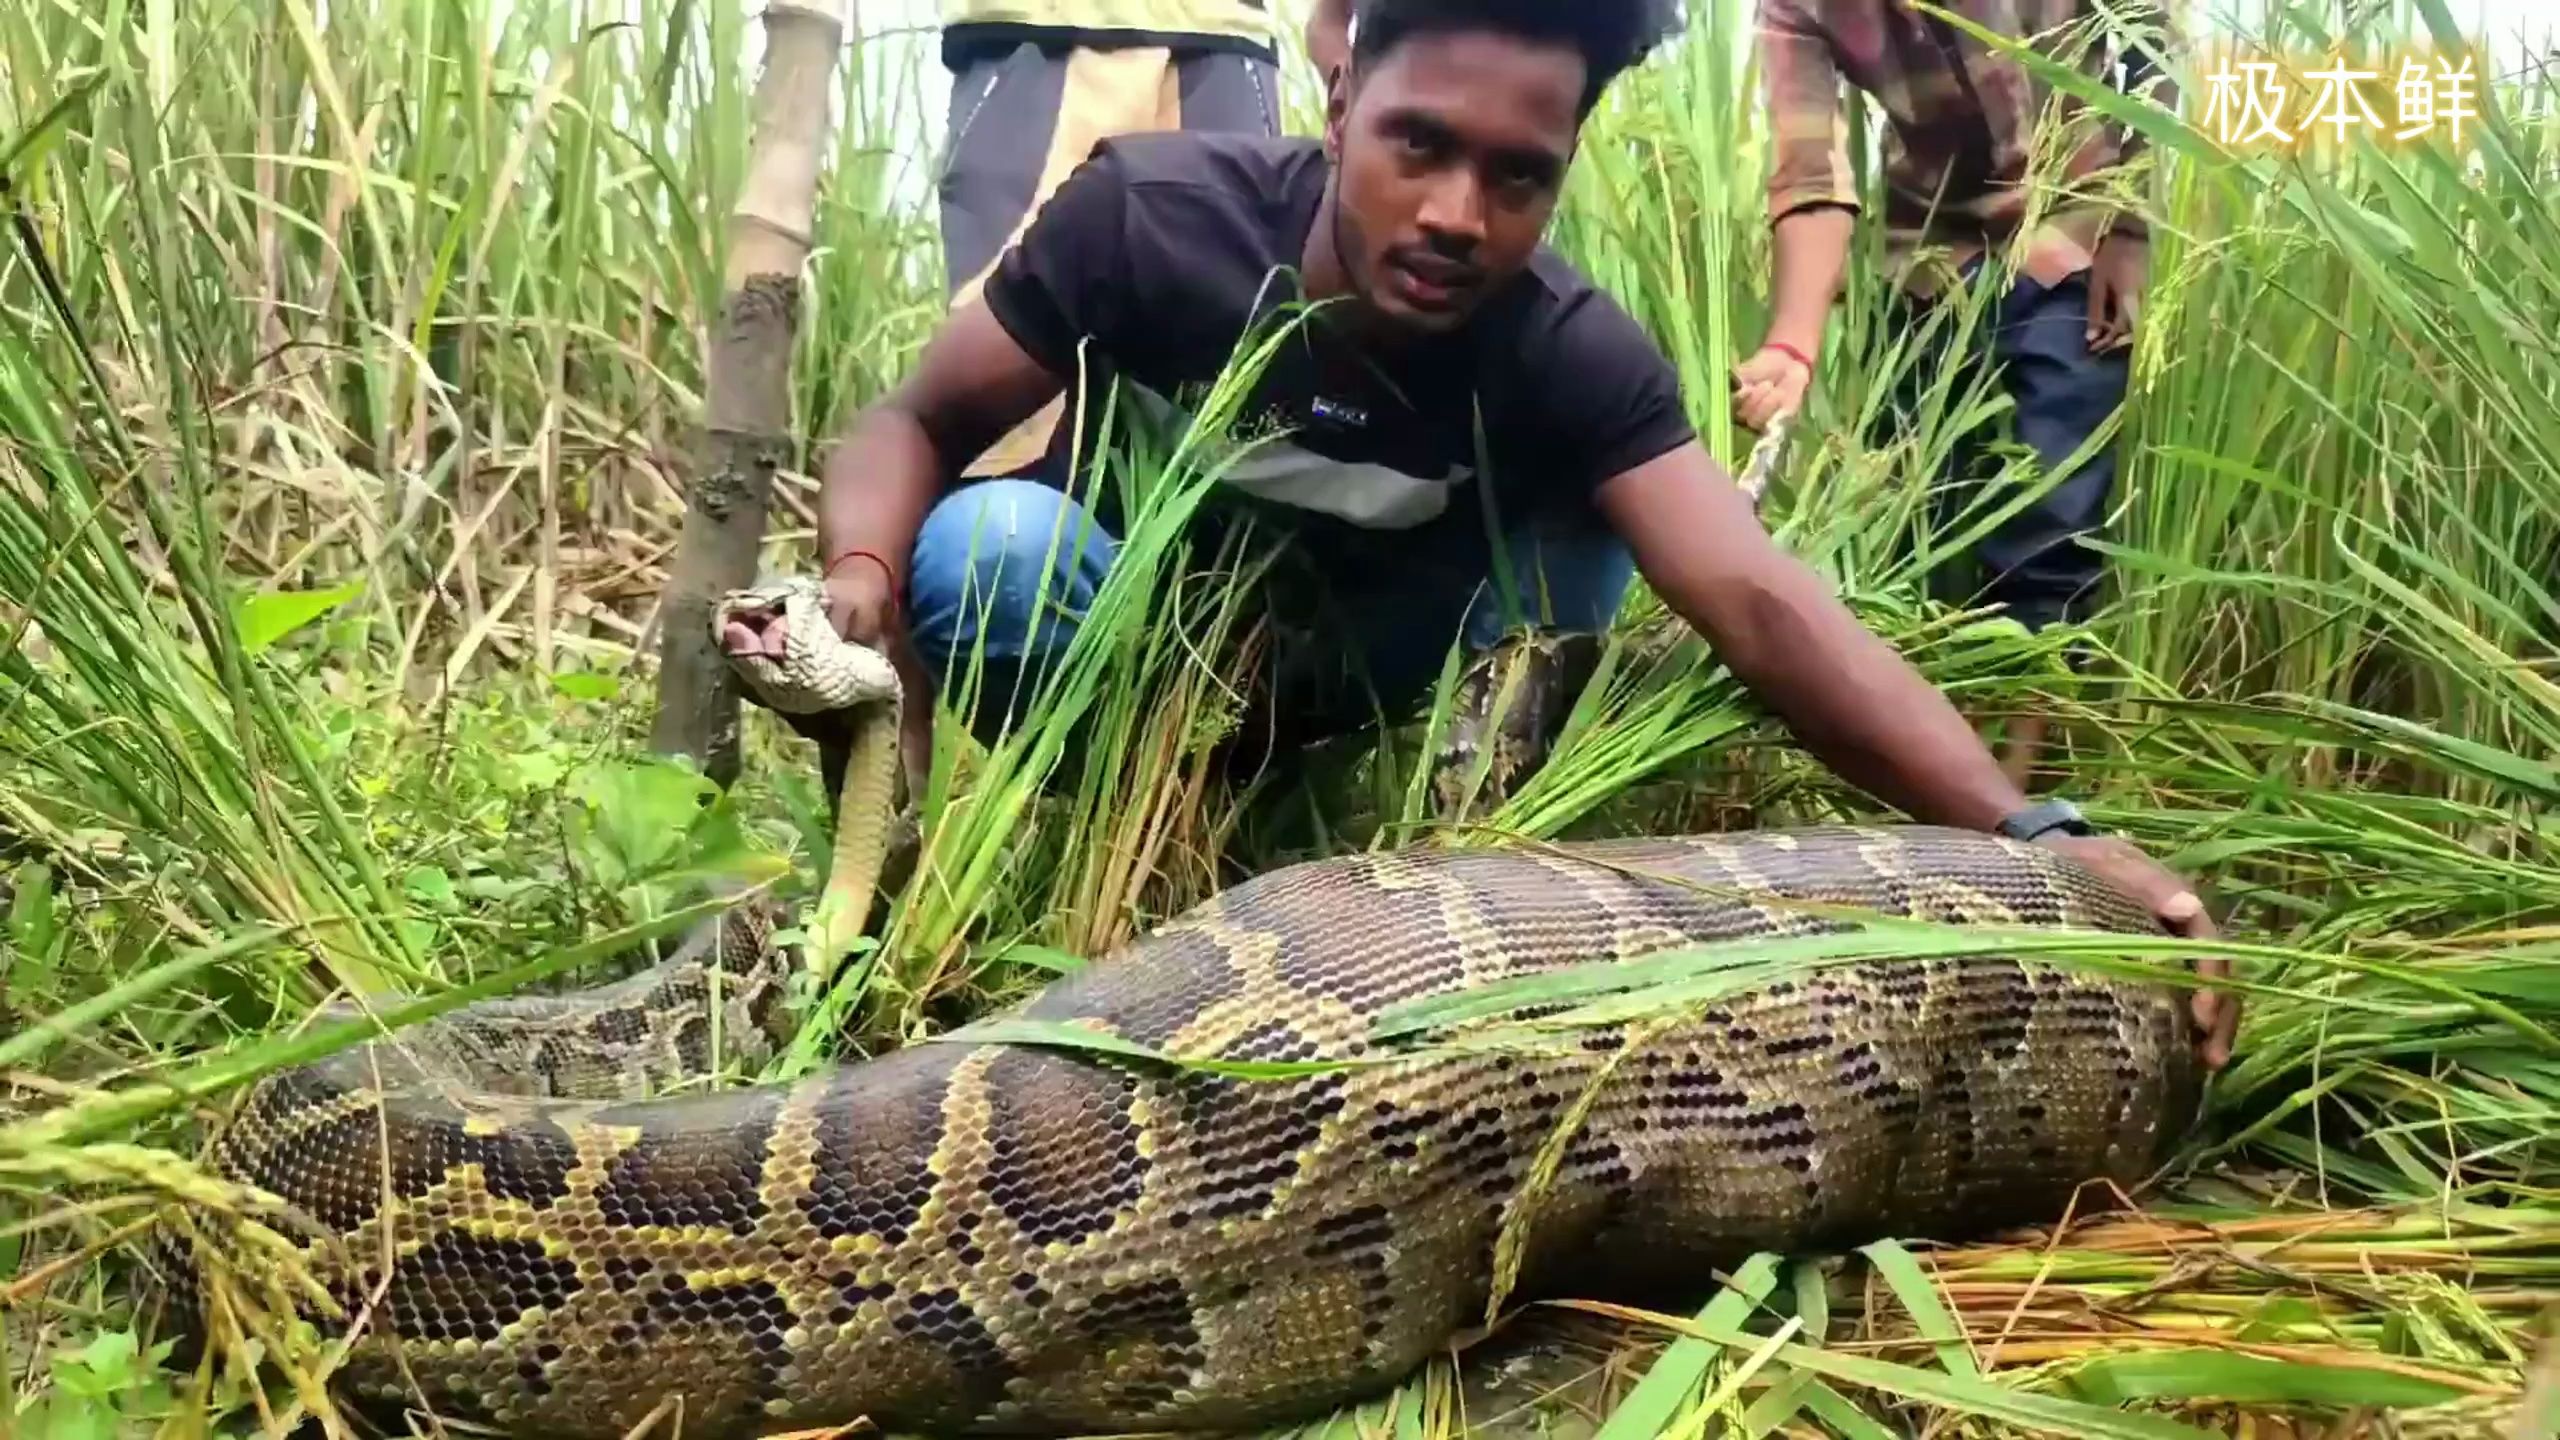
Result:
1768,385
2116,277
2122,864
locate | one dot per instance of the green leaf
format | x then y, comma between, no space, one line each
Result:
27,1044
418,936
1910,1284
2198,1374
538,769
1834,1410
28,149
270,615
1674,1377
1044,957
586,685
1974,1395
431,884
71,1417
32,925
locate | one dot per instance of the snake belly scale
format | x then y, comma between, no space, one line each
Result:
986,1237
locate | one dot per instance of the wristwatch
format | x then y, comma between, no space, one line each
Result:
2043,818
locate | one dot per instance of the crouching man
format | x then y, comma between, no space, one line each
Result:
1421,215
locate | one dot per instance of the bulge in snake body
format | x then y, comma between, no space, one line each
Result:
998,1238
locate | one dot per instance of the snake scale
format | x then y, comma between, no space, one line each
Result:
993,1236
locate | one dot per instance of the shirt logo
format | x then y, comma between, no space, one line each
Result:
1338,413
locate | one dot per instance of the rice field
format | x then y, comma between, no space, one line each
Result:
351,371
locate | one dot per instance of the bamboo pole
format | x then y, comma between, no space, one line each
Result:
747,420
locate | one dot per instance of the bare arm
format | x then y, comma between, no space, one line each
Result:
1813,205
1808,251
1854,702
973,384
1849,697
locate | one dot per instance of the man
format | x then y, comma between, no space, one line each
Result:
1417,222
1035,84
1958,191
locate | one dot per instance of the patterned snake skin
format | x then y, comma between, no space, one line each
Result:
975,1236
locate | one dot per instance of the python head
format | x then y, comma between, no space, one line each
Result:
774,634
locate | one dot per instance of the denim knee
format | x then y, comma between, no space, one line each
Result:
1004,569
1569,578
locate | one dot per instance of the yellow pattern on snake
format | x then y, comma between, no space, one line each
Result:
976,1237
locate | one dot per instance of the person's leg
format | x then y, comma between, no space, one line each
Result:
1009,116
1225,91
1004,571
2034,563
1933,378
1004,111
1081,98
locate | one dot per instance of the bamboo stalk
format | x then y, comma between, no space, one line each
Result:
747,428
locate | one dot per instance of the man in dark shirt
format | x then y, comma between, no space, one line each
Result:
1420,216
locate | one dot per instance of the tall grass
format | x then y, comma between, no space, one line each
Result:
348,357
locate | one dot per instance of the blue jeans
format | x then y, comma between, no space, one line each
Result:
988,551
2033,563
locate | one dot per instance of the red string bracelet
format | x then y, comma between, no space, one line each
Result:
1791,352
885,569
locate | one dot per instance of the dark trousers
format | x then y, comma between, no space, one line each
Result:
1009,110
2032,563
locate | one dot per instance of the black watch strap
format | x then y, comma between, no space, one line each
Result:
2044,818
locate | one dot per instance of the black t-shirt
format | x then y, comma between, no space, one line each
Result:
1162,250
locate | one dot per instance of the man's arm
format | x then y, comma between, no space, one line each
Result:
993,364
1856,704
972,385
1328,36
1809,249
1813,205
1843,692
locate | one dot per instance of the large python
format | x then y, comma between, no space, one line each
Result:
983,1235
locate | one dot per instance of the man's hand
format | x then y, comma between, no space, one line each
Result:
862,606
2116,278
1768,385
2123,865
1873,719
862,602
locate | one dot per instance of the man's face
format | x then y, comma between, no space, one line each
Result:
1449,154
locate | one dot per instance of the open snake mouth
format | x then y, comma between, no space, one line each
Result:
759,631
